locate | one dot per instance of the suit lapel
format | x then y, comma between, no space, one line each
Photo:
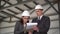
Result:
42,18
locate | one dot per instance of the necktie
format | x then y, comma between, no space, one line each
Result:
39,18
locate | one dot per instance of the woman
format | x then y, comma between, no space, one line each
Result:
20,25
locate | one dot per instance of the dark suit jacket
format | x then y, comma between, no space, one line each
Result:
19,28
43,25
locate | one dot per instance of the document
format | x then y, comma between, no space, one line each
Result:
31,25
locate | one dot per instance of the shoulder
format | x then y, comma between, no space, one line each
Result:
35,18
45,16
18,22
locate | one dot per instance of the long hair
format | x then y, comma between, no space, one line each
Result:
21,21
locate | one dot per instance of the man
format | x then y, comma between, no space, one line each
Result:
43,21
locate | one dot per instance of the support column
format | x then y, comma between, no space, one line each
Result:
59,14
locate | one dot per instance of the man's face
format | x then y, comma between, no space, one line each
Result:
39,12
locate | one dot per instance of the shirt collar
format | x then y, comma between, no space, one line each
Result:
40,16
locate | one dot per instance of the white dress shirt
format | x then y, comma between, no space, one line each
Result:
40,17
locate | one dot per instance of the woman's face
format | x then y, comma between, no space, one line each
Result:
25,19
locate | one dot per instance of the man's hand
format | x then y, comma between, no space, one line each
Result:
35,28
30,31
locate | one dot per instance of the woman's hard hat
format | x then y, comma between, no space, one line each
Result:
25,13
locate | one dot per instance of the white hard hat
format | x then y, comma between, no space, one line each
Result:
25,13
38,7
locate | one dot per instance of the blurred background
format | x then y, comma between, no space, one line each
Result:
10,12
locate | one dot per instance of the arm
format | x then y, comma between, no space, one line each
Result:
30,31
34,20
45,27
35,28
17,29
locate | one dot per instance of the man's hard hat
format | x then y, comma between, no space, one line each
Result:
38,7
25,13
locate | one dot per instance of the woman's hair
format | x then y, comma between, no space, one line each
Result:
21,21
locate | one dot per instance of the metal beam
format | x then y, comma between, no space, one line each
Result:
59,22
12,11
17,20
59,14
43,5
54,19
6,27
0,4
32,12
18,1
17,4
10,20
14,25
27,6
2,16
1,19
49,8
51,14
52,6
9,14
7,2
19,8
35,3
